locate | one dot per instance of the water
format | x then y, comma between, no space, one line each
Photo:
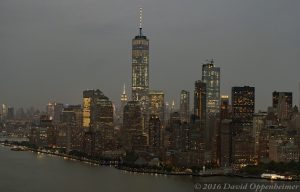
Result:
13,139
32,172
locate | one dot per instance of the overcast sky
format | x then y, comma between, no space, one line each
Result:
51,50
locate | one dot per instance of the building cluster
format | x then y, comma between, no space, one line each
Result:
213,130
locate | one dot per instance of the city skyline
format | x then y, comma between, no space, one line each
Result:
39,66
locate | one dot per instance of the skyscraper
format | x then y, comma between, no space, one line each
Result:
4,112
211,77
77,129
156,104
243,105
154,133
97,122
89,97
140,67
54,111
103,125
184,106
200,101
50,110
132,122
282,103
225,107
10,113
124,100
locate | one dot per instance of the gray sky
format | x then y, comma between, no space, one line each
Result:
54,49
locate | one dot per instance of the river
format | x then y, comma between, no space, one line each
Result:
24,171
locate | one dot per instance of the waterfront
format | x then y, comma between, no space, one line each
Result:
32,172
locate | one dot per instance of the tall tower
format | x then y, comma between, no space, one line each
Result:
225,108
211,76
200,100
4,112
97,122
140,68
132,123
123,103
282,102
243,105
92,101
154,133
184,106
156,104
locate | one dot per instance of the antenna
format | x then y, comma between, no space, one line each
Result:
141,20
141,17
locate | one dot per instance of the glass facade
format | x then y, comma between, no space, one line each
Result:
140,70
211,76
156,104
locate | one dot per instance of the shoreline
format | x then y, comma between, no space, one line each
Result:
150,172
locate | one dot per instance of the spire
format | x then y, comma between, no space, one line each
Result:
124,96
124,90
141,20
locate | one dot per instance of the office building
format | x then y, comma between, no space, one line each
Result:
200,101
140,68
282,103
156,104
184,106
211,77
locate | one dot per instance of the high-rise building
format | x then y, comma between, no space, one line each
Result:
200,101
243,142
54,111
97,122
124,100
103,125
225,143
50,110
224,136
225,107
156,104
175,140
132,122
67,125
90,98
77,131
243,105
211,77
154,133
282,103
258,125
167,113
10,113
184,106
140,68
4,112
